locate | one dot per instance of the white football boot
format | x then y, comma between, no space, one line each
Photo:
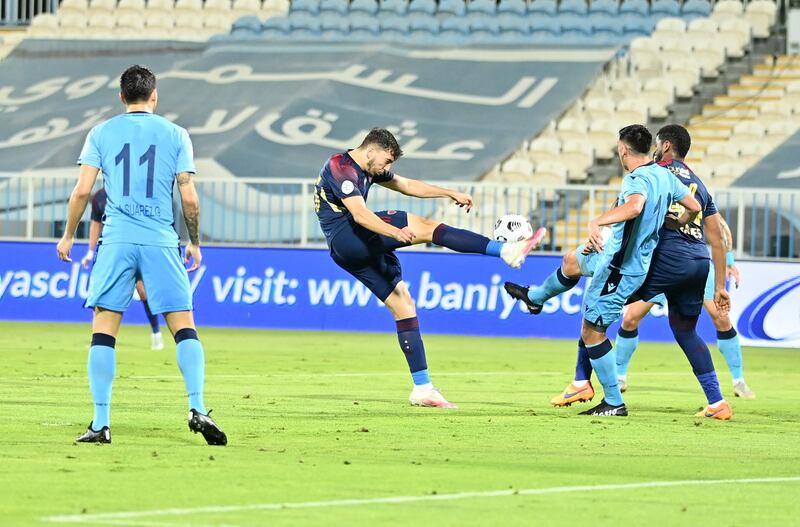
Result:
514,253
157,342
428,395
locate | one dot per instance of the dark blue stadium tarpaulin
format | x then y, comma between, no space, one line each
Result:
779,169
279,110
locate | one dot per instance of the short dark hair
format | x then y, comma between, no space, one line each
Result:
137,84
637,137
384,139
678,136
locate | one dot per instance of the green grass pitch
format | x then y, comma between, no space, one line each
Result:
321,417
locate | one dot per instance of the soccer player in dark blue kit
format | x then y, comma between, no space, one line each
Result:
99,201
362,242
142,155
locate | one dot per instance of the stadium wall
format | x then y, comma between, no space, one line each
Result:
303,289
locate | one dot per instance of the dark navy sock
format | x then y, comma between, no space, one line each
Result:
411,343
461,240
583,367
153,319
685,331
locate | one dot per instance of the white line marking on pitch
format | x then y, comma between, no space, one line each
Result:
120,518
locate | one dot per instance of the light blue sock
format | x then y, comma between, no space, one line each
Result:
605,367
553,285
102,367
626,344
191,361
493,248
421,377
731,348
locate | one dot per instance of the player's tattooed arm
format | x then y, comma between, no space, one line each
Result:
191,206
727,235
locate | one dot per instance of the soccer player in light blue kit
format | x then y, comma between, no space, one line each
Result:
622,261
141,156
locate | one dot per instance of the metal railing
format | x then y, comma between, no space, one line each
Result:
268,211
20,12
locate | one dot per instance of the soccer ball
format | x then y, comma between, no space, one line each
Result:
512,228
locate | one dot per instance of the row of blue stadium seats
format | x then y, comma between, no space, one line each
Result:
602,28
550,8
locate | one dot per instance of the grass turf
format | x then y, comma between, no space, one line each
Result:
324,416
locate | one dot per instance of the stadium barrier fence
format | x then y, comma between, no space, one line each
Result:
279,212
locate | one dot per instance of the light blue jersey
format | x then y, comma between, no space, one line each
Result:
139,153
632,242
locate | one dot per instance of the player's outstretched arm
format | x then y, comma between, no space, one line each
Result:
369,220
691,208
191,215
77,204
628,210
420,189
713,231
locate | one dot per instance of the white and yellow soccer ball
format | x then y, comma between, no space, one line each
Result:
512,228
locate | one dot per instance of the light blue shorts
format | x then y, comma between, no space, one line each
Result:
588,264
117,266
608,293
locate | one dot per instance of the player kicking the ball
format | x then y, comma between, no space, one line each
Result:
363,242
141,155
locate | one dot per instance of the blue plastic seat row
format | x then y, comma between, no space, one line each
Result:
552,8
600,30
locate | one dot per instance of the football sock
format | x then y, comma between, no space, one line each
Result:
605,366
102,367
685,331
728,342
626,344
411,343
464,241
583,366
153,319
554,285
191,361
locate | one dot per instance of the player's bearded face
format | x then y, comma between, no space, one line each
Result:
659,153
379,162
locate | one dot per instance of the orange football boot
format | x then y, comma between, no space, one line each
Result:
573,394
722,412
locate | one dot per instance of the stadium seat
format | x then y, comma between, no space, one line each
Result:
749,131
738,26
304,25
364,26
160,8
455,29
333,26
393,26
695,8
245,8
637,25
631,110
159,25
604,7
551,173
602,136
424,7
306,6
703,25
129,26
215,23
246,27
398,7
772,111
73,25
188,6
513,24
97,6
543,8
44,26
599,108
487,7
368,7
127,8
727,9
515,7
517,168
276,27
573,7
73,6
449,8
671,25
101,25
339,7
670,8
779,130
274,8
575,26
189,25
484,27
577,160
219,8
660,96
543,148
752,153
761,15
605,23
634,7
423,27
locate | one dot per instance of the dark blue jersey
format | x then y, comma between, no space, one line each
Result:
340,178
686,242
99,205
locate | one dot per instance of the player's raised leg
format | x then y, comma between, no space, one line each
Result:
576,263
156,339
402,307
464,241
